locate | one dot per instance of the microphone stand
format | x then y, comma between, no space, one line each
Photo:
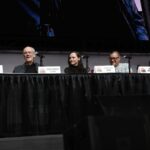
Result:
41,59
129,62
87,62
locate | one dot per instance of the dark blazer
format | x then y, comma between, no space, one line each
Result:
22,68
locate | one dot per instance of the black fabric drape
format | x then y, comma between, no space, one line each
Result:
146,12
94,19
33,104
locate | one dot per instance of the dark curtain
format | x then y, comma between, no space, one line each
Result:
93,19
146,12
43,104
19,18
26,18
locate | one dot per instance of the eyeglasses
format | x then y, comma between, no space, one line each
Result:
114,58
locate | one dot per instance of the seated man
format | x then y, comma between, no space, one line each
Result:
115,59
29,66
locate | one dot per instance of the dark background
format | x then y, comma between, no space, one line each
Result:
85,25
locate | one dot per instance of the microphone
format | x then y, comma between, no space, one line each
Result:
85,56
129,61
36,53
41,57
127,57
87,63
39,54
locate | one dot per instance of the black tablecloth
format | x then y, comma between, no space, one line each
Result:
32,104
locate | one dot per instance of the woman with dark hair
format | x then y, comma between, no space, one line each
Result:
75,64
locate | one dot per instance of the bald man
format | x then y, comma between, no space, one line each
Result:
29,65
115,60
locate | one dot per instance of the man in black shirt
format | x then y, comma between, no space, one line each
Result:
29,66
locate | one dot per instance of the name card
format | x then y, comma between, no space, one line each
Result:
144,69
104,69
49,69
1,69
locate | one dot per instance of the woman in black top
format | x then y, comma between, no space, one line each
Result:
75,65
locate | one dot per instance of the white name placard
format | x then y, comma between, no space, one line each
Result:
49,69
1,69
104,69
144,69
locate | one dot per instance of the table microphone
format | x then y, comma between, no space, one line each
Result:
127,56
39,54
129,61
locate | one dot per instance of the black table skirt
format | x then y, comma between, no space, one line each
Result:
33,104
